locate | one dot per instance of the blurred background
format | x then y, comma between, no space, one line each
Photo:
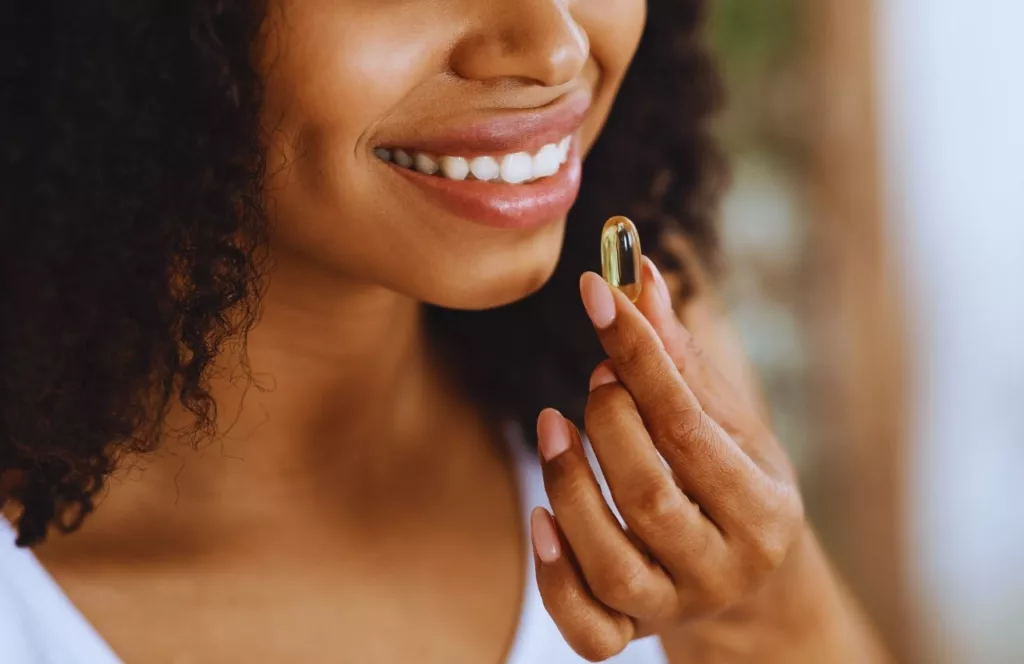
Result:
875,240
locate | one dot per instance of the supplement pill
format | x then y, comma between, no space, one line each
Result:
620,256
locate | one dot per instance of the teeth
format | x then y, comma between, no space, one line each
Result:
484,168
454,168
403,159
515,168
424,164
547,161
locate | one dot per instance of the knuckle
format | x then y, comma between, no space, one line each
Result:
636,352
619,585
699,542
718,593
569,492
686,424
559,599
778,530
692,357
565,484
657,506
772,551
784,504
694,350
606,405
601,646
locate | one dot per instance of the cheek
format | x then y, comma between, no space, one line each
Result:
331,76
614,28
334,72
339,65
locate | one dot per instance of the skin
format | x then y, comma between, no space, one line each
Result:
715,547
335,507
345,77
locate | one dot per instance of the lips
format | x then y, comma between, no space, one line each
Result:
505,131
513,170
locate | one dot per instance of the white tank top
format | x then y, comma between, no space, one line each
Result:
40,625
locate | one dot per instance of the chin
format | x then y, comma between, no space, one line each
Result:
498,278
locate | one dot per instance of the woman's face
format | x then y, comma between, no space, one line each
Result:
356,88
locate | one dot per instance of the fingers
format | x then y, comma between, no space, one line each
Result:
738,412
715,471
638,355
588,626
615,571
717,396
654,507
715,518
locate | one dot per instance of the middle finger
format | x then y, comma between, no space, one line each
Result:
651,503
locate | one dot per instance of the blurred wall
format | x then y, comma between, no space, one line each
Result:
811,279
860,337
952,107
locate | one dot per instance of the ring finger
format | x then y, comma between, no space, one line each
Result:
616,572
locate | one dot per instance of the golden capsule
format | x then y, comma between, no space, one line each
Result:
620,256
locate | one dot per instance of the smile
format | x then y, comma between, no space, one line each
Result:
514,168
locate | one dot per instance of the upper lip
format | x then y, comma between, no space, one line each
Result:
506,131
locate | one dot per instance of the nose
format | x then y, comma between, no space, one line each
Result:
533,40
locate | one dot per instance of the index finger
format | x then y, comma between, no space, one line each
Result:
713,469
640,358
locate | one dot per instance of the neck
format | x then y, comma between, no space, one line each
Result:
332,360
346,412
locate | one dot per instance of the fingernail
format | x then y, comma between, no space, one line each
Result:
597,300
552,434
666,296
545,537
603,375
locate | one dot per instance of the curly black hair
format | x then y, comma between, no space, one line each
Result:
132,232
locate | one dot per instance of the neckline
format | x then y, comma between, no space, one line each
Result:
35,586
44,601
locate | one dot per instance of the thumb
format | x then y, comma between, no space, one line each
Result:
655,303
709,385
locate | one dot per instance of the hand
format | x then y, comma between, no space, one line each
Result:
709,500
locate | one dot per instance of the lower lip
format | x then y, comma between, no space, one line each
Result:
502,205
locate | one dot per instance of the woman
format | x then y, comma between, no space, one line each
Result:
285,283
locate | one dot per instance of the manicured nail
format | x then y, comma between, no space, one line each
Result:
597,300
662,287
603,375
545,537
552,434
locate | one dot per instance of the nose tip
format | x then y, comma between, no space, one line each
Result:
540,42
565,61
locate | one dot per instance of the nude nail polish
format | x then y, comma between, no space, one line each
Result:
659,280
552,434
544,535
603,375
597,300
